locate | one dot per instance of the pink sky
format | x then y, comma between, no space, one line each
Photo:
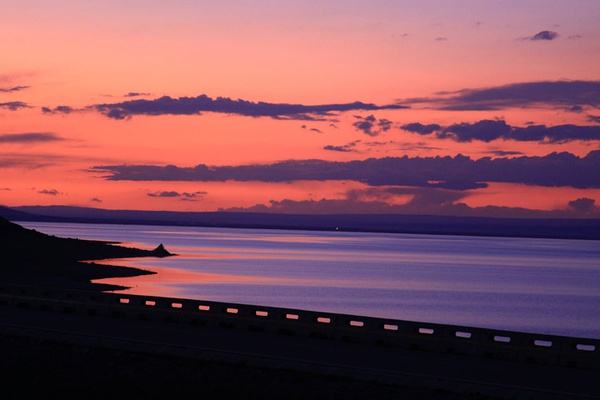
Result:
381,52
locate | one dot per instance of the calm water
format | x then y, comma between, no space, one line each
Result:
539,285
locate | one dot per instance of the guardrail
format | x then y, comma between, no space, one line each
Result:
490,343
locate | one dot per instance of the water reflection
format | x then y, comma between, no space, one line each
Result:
540,285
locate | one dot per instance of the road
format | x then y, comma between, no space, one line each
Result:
387,367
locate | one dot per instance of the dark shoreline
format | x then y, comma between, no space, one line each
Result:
34,258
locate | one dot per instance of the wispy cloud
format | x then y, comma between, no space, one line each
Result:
562,94
58,110
421,201
34,160
14,105
30,137
459,172
489,130
344,148
543,36
316,130
185,196
195,105
371,125
504,153
136,94
49,192
422,129
11,89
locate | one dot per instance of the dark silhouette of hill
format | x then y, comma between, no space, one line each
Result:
16,215
562,228
32,257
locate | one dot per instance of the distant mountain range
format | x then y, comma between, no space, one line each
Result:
391,223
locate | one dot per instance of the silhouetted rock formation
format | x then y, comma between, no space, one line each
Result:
32,257
160,251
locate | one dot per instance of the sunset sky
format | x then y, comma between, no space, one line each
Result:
203,106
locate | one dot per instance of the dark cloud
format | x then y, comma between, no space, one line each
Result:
14,105
29,137
367,201
37,159
405,146
23,161
441,39
195,105
316,130
583,205
187,196
489,130
50,192
561,94
371,125
422,129
556,134
543,35
377,143
164,194
418,146
96,200
575,109
345,148
504,153
136,94
424,198
12,89
594,118
485,130
385,145
574,37
421,201
459,172
58,110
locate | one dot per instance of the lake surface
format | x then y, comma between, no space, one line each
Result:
533,285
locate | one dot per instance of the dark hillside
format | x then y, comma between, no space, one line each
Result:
31,257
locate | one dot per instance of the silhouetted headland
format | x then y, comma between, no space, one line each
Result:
32,258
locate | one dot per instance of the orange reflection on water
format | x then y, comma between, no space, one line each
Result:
165,281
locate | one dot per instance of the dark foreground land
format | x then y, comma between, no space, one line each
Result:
85,344
34,258
72,349
59,369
